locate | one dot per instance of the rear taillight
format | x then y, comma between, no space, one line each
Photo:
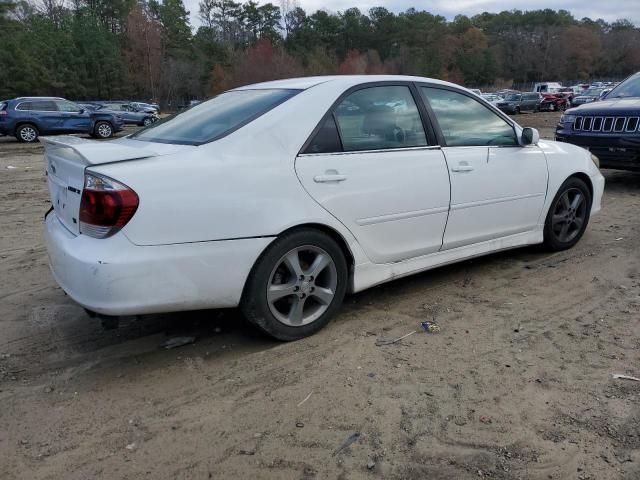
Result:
106,206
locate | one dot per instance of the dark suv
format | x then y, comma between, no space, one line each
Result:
520,102
610,129
29,117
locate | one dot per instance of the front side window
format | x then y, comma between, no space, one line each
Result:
214,118
377,118
65,106
466,122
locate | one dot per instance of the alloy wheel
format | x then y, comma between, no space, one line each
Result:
147,122
28,134
569,215
302,285
104,130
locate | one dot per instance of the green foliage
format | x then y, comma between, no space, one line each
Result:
147,49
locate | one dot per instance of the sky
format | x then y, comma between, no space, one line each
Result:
608,10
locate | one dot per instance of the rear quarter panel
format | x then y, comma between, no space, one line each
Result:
241,186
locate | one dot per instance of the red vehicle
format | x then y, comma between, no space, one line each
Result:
552,102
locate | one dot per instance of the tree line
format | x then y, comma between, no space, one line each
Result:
148,50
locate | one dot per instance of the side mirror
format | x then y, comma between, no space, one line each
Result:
81,111
530,136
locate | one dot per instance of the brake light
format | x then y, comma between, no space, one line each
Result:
3,113
106,206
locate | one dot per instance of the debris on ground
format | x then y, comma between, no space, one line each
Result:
178,342
383,341
426,326
305,399
371,465
626,377
351,439
486,419
430,327
247,450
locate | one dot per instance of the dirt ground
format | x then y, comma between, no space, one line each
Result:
516,385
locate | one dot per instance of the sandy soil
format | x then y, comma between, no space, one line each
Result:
516,385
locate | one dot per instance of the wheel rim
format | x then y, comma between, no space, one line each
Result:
302,286
28,134
569,215
104,130
147,122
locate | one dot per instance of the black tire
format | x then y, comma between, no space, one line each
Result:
147,121
517,110
103,129
27,133
554,240
255,305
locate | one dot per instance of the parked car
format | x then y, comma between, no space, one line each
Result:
492,98
476,91
515,103
130,115
27,118
144,107
609,128
283,213
552,102
588,96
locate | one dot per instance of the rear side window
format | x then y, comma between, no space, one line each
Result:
43,106
3,106
377,118
24,106
215,118
327,140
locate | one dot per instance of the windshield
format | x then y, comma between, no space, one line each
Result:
629,88
513,98
214,118
593,92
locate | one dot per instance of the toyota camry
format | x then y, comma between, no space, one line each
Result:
282,197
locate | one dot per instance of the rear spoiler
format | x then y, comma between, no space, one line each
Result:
93,152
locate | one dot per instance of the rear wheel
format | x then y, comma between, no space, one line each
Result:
296,286
517,110
568,216
103,130
27,133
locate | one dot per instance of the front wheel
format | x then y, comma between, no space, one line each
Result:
568,216
147,121
103,130
296,285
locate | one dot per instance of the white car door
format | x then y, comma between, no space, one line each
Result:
498,187
371,166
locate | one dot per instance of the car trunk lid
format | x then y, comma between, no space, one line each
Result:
66,159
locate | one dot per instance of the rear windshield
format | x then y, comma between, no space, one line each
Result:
214,118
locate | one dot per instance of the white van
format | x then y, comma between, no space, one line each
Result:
547,87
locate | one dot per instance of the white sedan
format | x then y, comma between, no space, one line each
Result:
281,197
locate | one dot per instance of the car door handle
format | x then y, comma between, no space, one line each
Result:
329,177
462,168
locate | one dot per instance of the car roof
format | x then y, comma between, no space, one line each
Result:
39,98
341,81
